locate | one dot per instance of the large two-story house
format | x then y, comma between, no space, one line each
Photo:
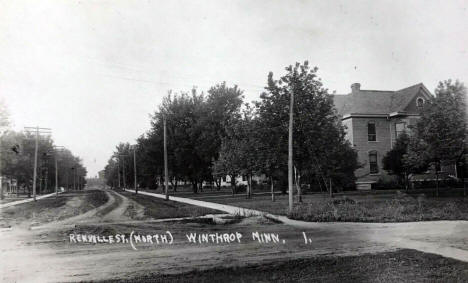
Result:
374,119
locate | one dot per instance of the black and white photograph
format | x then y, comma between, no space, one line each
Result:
233,141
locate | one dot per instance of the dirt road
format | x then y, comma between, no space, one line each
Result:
47,254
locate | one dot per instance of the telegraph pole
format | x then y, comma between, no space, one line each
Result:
118,170
56,148
42,131
123,173
135,169
290,152
1,176
35,164
123,170
74,178
166,171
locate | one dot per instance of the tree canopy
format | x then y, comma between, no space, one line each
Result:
216,134
440,133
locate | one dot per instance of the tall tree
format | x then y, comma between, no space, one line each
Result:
238,154
319,136
440,133
393,160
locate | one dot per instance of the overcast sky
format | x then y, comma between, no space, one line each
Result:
94,70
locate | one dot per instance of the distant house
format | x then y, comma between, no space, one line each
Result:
374,119
242,180
9,185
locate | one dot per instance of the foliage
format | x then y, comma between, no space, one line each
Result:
393,160
20,164
238,153
440,134
196,125
320,147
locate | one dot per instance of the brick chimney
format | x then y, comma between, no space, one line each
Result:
355,87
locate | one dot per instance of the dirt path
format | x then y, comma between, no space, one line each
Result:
445,238
127,210
48,255
117,208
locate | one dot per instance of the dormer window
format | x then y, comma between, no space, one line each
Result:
419,102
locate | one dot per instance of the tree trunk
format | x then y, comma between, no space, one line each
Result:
298,184
194,187
272,189
437,184
249,186
331,188
218,183
463,180
172,183
406,181
233,184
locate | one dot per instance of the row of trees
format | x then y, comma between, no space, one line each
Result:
216,134
17,160
439,137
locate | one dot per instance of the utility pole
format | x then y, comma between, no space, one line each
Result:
135,169
118,170
42,131
290,152
45,163
56,148
35,164
123,170
166,171
123,173
74,178
1,176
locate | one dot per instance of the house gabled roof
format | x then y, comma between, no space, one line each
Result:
377,101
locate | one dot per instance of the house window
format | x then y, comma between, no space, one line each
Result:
400,128
371,133
244,178
374,167
419,102
224,179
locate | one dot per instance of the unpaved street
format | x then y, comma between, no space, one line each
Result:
45,253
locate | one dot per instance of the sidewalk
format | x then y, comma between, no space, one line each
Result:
8,204
223,207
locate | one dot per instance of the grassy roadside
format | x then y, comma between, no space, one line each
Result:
358,207
394,208
398,266
158,208
52,208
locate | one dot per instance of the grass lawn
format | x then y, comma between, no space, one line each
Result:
52,208
383,208
158,208
374,206
399,266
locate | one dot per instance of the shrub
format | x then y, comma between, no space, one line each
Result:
387,182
